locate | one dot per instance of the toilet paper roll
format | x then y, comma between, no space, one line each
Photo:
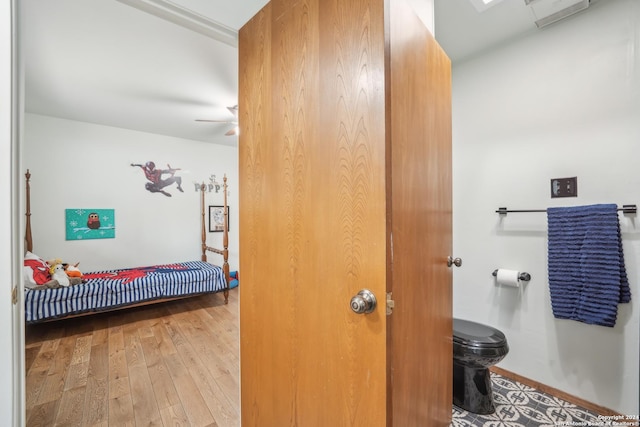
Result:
508,277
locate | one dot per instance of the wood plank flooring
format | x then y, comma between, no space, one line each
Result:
169,364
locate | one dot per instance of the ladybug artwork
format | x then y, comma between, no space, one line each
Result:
94,221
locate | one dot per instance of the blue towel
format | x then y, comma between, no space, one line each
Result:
587,275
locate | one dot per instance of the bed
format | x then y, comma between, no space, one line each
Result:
123,288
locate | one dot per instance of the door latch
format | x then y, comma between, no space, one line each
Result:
390,303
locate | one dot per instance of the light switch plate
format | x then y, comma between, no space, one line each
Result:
564,187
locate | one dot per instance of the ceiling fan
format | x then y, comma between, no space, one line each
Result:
233,110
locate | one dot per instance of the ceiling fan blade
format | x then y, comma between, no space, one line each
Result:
233,110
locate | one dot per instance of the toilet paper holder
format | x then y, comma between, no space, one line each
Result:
525,277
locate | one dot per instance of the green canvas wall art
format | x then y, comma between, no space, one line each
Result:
83,224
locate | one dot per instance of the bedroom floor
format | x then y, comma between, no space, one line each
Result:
135,367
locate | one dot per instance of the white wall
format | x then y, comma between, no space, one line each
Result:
424,9
8,258
82,165
563,102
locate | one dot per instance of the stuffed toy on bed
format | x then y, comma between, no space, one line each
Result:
73,271
37,274
58,274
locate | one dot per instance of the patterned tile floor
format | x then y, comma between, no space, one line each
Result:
518,405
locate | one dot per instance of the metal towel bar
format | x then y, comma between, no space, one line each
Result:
625,209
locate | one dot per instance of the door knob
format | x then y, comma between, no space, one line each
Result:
454,261
364,302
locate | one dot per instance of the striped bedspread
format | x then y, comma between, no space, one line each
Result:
117,288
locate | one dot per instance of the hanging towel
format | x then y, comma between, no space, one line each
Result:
587,276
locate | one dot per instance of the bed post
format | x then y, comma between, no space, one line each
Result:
203,233
225,236
225,240
28,239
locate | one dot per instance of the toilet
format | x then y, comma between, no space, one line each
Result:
476,347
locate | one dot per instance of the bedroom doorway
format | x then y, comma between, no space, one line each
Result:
60,8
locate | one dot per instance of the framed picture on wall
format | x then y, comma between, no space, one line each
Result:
216,218
84,224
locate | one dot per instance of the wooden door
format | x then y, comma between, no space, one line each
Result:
317,216
421,325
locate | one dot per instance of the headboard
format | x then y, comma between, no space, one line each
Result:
225,231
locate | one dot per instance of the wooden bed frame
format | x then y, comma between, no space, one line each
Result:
28,244
225,235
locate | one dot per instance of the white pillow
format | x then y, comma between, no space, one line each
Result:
36,271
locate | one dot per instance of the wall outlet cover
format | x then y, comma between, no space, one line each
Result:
564,187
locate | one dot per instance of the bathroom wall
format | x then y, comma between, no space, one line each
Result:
83,165
562,102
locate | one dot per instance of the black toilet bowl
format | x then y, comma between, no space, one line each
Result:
476,347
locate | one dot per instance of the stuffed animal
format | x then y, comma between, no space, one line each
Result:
73,271
58,273
53,262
